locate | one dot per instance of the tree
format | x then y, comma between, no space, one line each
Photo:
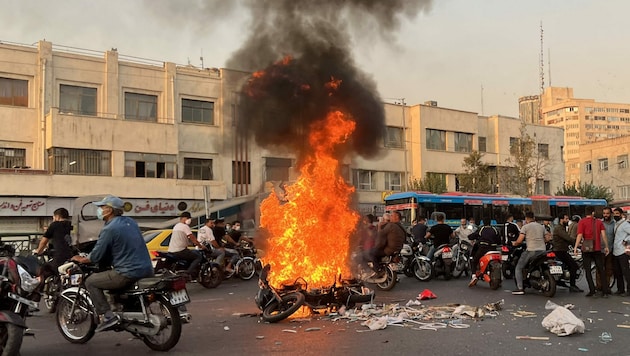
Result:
586,190
525,165
432,182
476,176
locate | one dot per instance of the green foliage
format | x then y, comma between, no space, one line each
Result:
432,182
586,190
476,176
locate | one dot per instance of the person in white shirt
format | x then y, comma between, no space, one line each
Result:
178,245
206,237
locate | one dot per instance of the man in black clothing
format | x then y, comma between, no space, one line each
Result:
511,231
440,233
419,231
488,238
561,242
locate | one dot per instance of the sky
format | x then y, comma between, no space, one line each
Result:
447,51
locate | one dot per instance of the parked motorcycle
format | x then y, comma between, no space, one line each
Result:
210,273
416,263
461,258
18,293
443,262
148,309
489,269
279,303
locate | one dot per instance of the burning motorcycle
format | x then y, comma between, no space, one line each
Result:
18,293
279,303
148,309
210,273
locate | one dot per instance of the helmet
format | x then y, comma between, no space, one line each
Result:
575,218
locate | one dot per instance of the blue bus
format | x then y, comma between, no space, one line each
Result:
457,205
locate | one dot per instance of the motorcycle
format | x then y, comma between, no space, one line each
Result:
461,258
443,262
210,273
415,262
489,269
18,294
245,267
148,309
279,303
389,264
509,257
541,273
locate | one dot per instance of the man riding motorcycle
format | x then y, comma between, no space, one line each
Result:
389,240
178,245
535,234
561,242
488,238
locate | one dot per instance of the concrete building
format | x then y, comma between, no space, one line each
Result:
584,121
529,109
606,163
163,137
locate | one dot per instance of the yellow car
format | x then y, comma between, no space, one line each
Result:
158,240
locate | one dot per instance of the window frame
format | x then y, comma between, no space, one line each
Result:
71,161
14,99
165,164
588,167
622,161
135,98
390,177
190,113
603,164
394,137
432,136
17,157
359,180
198,168
78,98
543,150
482,148
467,145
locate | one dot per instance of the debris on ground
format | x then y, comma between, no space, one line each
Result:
523,314
426,294
561,321
527,337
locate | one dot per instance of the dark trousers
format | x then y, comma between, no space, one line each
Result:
598,257
608,267
190,256
622,271
480,251
375,255
97,282
564,257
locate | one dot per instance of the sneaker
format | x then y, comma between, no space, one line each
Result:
518,292
590,294
107,323
473,281
575,289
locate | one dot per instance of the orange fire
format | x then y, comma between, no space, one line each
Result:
309,234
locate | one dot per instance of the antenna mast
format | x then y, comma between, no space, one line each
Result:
542,74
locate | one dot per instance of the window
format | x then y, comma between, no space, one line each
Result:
603,164
12,157
436,140
364,180
394,137
393,181
77,100
197,111
463,142
624,192
482,144
140,107
150,165
514,145
79,162
199,169
543,150
622,161
241,172
588,167
277,169
13,92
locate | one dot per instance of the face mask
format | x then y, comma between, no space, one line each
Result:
188,221
617,218
99,213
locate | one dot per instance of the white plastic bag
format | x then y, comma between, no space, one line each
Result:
562,322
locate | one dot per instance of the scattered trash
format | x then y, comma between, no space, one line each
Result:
625,303
593,311
413,302
312,329
300,320
605,337
289,331
625,326
569,306
259,337
426,294
524,314
547,344
561,321
278,343
226,328
527,337
618,312
583,349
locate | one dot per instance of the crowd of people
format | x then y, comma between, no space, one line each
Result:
603,242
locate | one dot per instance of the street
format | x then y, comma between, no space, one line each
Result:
219,328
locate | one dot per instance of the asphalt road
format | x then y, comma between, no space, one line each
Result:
218,328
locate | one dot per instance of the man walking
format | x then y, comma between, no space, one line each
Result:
533,234
593,232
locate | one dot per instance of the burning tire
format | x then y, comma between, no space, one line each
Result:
290,303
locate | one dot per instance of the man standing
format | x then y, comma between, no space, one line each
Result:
561,242
511,231
534,236
121,246
609,225
621,267
178,245
592,230
207,237
462,232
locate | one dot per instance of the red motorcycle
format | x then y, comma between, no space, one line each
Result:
489,269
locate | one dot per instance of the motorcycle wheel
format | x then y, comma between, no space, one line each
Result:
390,282
461,266
408,270
246,268
422,270
508,272
448,274
495,277
550,291
11,337
52,290
210,276
290,303
76,326
169,334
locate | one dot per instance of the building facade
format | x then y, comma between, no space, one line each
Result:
163,137
606,163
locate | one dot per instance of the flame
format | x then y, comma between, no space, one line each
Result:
309,233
